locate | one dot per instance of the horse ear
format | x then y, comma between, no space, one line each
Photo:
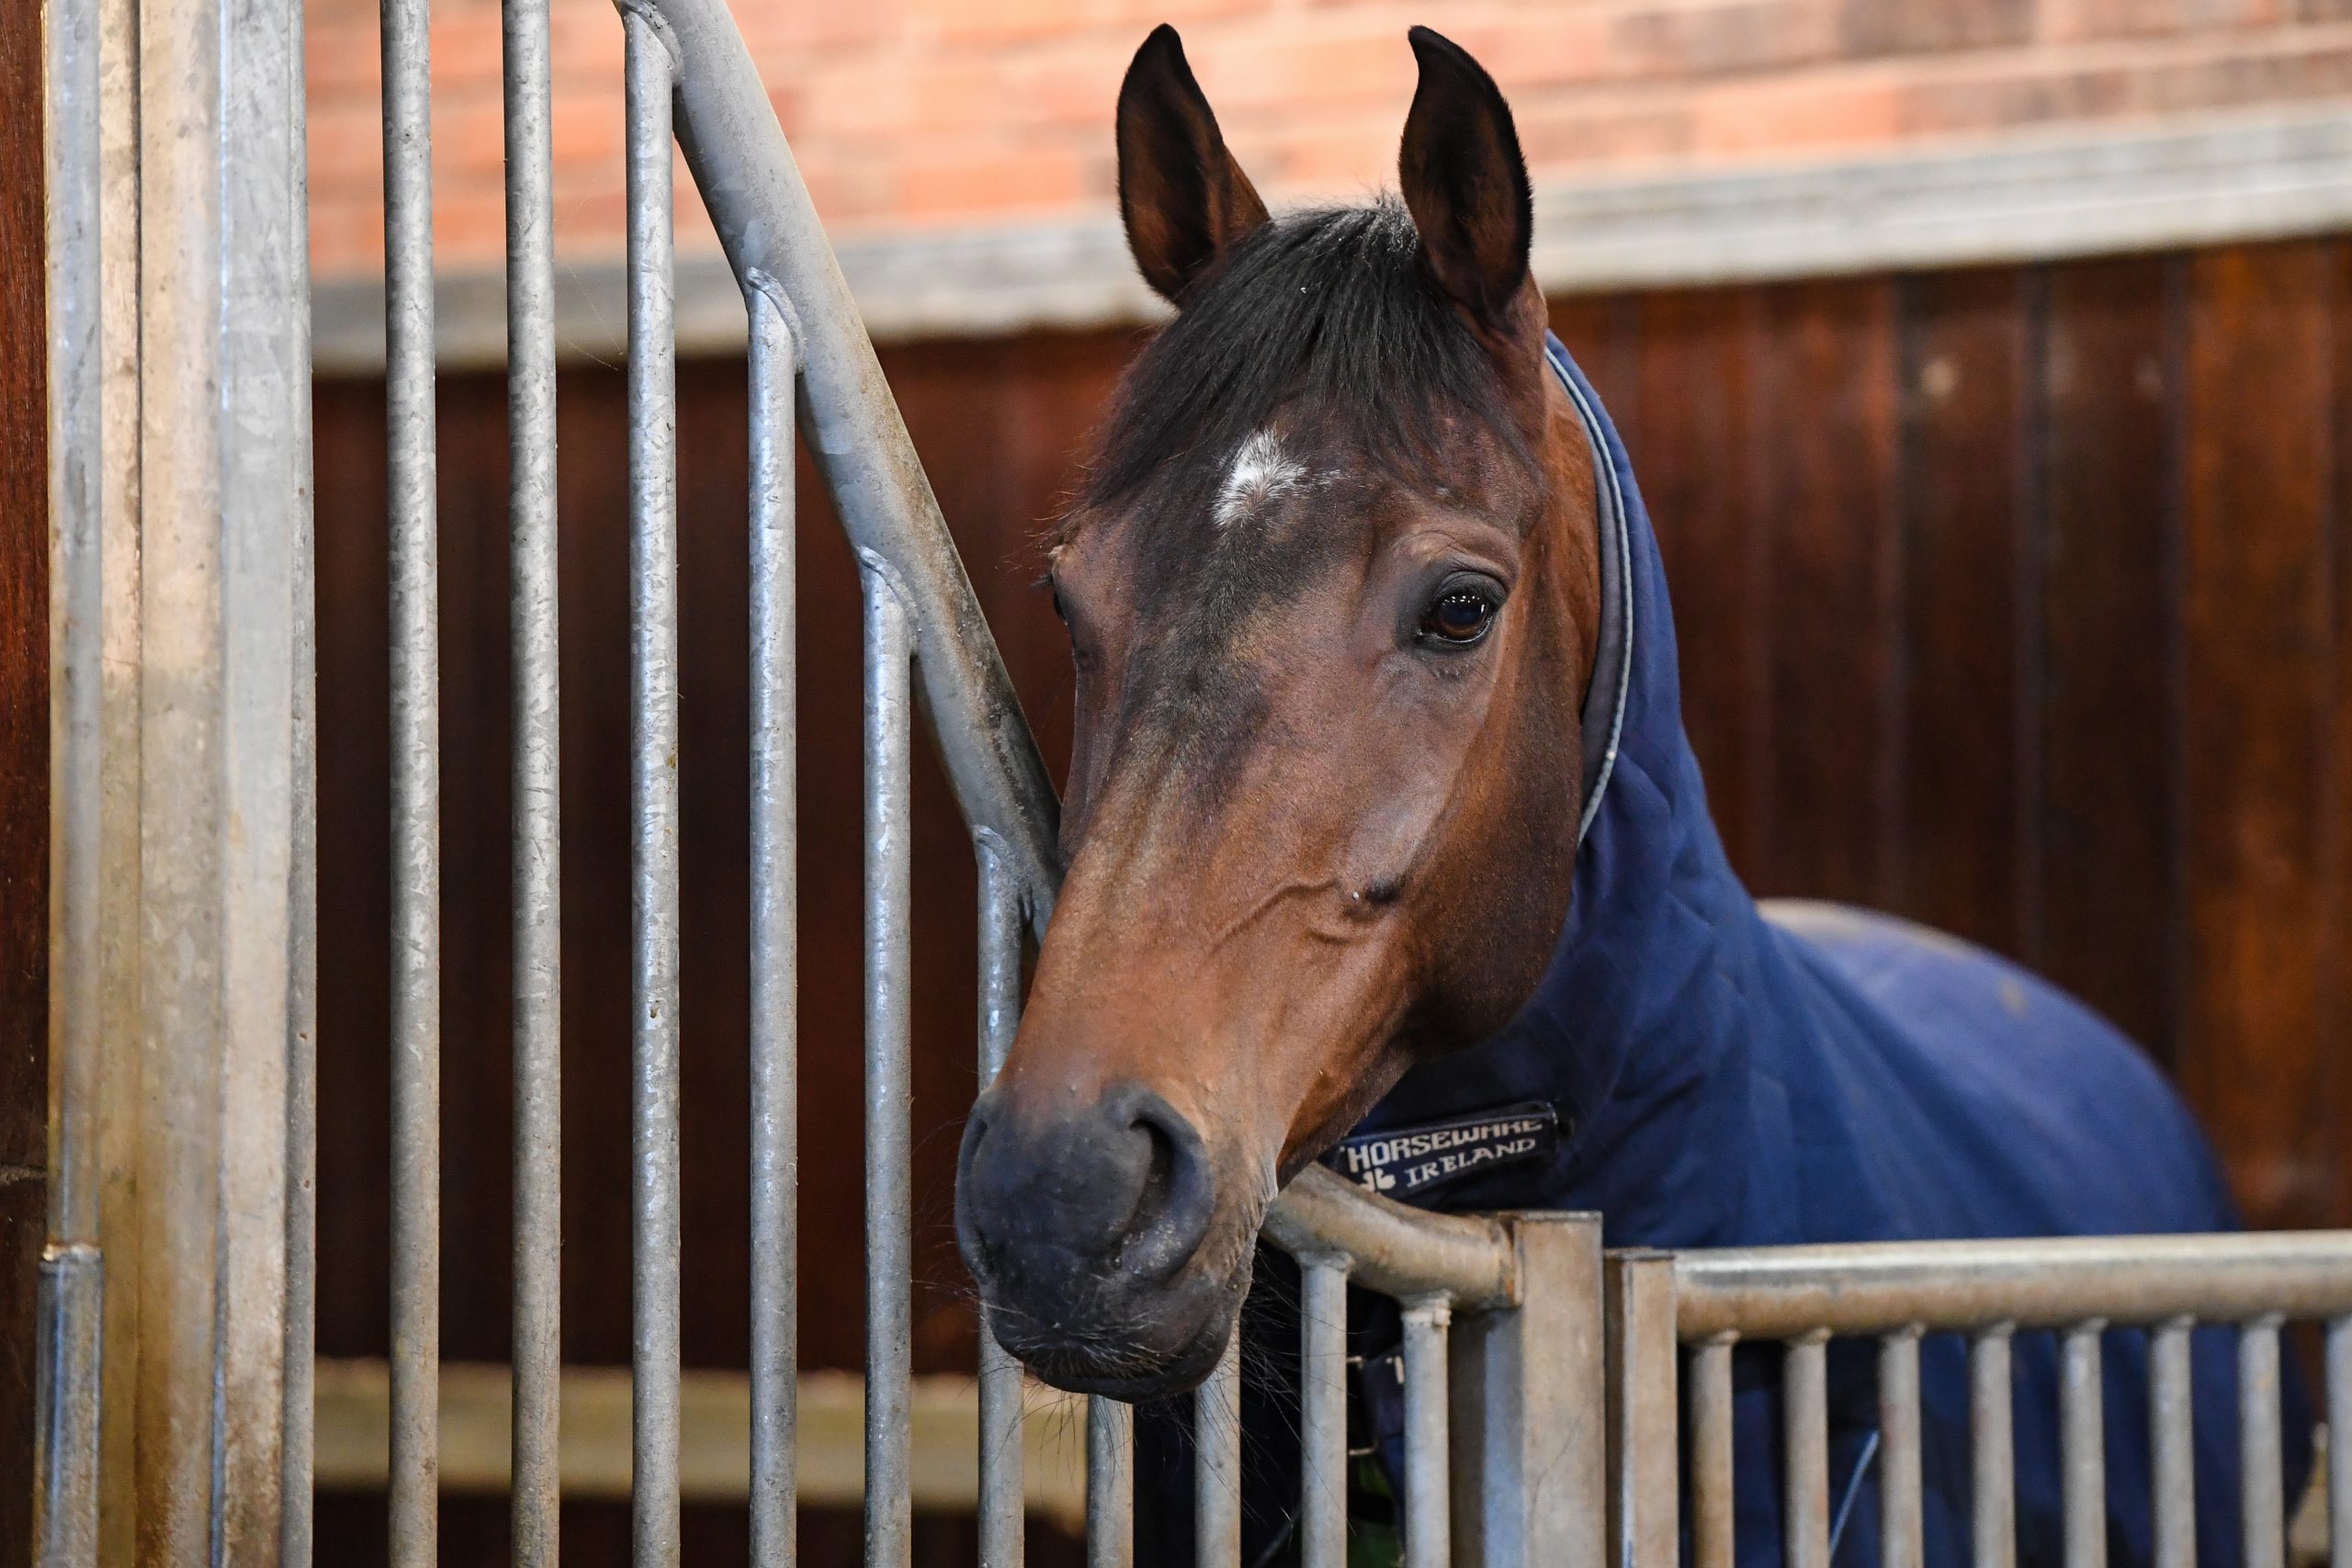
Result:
1183,198
1465,185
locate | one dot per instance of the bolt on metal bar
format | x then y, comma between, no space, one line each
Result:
71,1295
1641,1400
1713,1525
1216,1463
1429,1532
1000,1501
2083,1446
2262,1501
889,713
1110,1484
653,790
1805,1447
775,1034
1323,1410
2339,1442
1902,1543
1993,1468
538,1016
2172,1444
415,783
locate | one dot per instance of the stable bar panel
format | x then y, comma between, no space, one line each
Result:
1993,1468
2173,1445
1901,1518
1000,1510
1110,1484
1216,1463
653,799
2339,1447
1429,1534
774,1035
1713,1529
1643,1510
414,1494
538,1016
2083,1447
2263,1503
890,719
1806,1443
1323,1411
71,1293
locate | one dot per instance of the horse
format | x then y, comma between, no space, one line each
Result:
1385,845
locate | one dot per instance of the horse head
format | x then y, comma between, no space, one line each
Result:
1331,587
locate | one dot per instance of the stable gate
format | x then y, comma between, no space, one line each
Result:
177,1402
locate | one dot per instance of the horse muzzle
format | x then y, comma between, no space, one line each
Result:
1090,1228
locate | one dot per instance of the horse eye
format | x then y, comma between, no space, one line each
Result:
1460,617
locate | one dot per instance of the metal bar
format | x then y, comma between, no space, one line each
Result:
65,1394
1000,1512
1805,1444
1900,1516
1713,1525
1993,1468
2172,1442
1216,1463
1643,1510
1110,1484
415,780
2083,1447
2040,1282
889,653
1428,1533
653,790
537,1018
300,1357
71,1289
774,1042
1323,1411
2263,1502
1528,1387
2339,1443
224,379
1398,1251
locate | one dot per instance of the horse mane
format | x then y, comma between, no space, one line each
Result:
1333,307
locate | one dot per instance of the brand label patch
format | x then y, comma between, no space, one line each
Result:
1402,1161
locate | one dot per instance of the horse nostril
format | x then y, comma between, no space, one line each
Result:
1177,1197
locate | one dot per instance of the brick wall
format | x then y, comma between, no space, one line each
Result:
962,112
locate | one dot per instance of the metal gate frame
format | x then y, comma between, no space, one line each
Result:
177,1306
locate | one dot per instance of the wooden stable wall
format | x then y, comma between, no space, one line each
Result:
24,759
2016,600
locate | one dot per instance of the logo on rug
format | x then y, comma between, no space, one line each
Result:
1402,1161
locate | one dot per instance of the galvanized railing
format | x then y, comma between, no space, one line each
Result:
1704,1302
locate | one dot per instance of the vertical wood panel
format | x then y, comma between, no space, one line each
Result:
23,755
2109,887
1694,417
2255,707
1966,621
1824,447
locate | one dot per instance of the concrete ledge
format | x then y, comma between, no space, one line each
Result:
2018,200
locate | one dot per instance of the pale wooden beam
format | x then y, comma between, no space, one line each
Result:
714,1457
